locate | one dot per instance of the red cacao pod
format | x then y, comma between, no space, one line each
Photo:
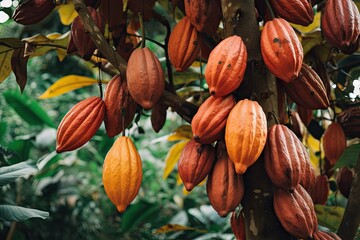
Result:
158,116
308,177
224,187
308,90
296,124
349,120
295,212
145,77
208,124
334,142
245,139
237,223
119,105
80,124
226,66
320,191
305,114
321,235
32,11
195,163
184,45
294,11
281,49
113,15
71,47
344,181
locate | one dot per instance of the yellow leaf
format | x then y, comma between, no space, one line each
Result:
5,62
175,228
183,132
185,192
67,13
178,179
67,84
172,157
314,146
312,27
309,41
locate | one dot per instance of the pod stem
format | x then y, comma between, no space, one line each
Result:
270,9
142,29
276,118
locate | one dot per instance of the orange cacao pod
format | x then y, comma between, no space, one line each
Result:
349,120
308,90
80,124
308,177
224,187
184,45
208,124
284,157
237,223
294,11
245,139
344,181
340,30
281,49
158,116
195,163
320,191
145,77
305,114
226,66
334,142
119,105
122,173
32,11
295,212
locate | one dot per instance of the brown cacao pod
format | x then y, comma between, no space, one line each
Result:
281,49
195,163
122,173
334,142
321,235
305,114
237,223
145,77
340,30
294,11
226,66
80,124
308,177
158,116
308,90
208,124
224,187
284,157
349,120
71,47
113,15
184,45
245,139
296,124
296,212
344,181
119,105
32,11
353,47
320,191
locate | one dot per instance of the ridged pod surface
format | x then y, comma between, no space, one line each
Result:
208,124
158,116
344,181
296,212
237,223
321,235
145,77
122,173
224,187
284,157
195,163
281,49
80,124
308,177
320,191
340,23
245,134
349,120
32,11
294,11
334,142
305,114
308,90
226,66
184,45
119,105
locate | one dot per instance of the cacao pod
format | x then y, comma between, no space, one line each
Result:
294,11
158,116
92,3
340,30
284,157
80,124
208,124
349,120
308,90
226,66
122,173
305,114
195,163
224,187
334,142
353,47
71,47
113,15
245,134
295,212
32,11
237,223
120,108
344,181
281,49
296,124
184,45
321,235
308,177
320,191
145,77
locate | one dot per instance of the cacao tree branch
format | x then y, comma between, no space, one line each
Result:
185,109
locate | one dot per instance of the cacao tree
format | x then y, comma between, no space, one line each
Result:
274,105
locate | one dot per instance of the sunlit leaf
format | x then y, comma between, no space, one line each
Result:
175,228
314,146
329,216
172,157
183,132
67,13
349,157
178,179
5,62
185,77
19,214
309,41
315,25
15,171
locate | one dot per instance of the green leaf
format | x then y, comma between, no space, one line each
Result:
349,157
19,214
21,148
27,108
3,128
13,172
5,62
329,216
